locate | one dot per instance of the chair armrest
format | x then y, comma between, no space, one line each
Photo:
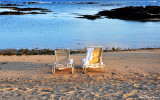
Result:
71,61
101,62
55,63
83,60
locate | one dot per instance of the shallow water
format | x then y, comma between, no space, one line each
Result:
60,28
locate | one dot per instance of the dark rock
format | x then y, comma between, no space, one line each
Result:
32,2
107,4
91,3
36,13
29,9
148,13
46,11
25,9
86,2
19,11
36,2
90,17
10,5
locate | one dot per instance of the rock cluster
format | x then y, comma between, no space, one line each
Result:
148,13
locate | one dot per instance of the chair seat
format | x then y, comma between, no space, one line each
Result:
96,65
61,66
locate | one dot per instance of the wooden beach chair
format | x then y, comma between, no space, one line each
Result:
62,60
93,58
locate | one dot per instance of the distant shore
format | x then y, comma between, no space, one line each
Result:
38,51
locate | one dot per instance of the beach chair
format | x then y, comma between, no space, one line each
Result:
62,60
93,58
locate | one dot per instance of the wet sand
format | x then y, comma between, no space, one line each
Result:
128,75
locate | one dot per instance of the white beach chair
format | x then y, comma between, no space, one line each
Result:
62,60
93,58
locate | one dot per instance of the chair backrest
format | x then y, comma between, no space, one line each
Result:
62,56
96,55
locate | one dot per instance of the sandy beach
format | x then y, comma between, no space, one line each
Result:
128,75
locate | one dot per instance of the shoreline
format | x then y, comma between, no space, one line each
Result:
37,51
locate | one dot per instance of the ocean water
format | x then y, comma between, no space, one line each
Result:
61,29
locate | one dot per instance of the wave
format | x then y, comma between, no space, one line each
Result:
33,2
152,1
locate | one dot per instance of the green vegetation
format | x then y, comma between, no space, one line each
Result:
37,51
26,52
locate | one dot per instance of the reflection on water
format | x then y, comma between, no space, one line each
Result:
60,29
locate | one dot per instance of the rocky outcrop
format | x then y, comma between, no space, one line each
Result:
22,11
148,13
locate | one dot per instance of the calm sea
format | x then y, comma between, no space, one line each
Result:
61,29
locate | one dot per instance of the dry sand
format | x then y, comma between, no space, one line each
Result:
129,75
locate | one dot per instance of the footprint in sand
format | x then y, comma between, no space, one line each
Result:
9,89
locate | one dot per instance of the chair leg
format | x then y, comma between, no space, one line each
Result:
53,70
85,71
72,70
102,69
